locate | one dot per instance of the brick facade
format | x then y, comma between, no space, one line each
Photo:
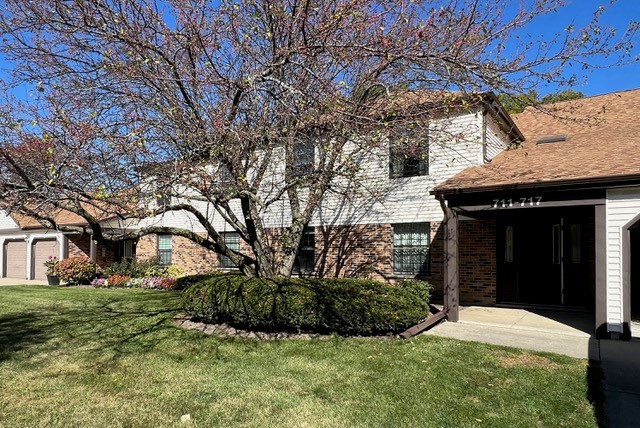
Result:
80,246
477,262
366,251
354,251
192,257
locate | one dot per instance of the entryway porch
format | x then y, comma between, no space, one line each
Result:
559,331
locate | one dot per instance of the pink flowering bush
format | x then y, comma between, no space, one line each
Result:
158,282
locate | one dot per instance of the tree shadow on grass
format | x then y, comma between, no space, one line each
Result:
115,327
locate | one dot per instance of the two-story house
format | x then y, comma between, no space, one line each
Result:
389,227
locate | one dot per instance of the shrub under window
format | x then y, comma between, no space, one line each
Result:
343,306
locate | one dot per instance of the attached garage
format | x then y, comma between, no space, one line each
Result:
42,250
15,259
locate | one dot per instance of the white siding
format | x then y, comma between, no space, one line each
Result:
622,206
496,140
6,222
454,144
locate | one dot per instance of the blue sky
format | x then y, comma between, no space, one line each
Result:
579,13
617,15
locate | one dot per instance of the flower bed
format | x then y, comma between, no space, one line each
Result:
124,281
139,274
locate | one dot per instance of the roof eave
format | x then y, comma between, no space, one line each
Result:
569,183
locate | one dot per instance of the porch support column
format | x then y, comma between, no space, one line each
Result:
451,279
601,271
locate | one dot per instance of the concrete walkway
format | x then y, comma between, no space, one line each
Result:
567,333
620,364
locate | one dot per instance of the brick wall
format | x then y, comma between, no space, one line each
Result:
192,257
354,251
343,251
80,246
477,262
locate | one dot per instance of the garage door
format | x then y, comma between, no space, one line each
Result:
42,250
15,259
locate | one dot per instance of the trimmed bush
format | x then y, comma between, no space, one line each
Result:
135,268
335,305
76,270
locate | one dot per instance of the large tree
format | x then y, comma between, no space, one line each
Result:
210,103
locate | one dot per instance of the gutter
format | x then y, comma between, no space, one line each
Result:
603,182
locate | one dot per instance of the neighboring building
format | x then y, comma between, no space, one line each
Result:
25,245
556,221
392,229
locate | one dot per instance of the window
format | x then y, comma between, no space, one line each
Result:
575,243
508,244
411,248
306,257
164,249
127,249
231,240
409,157
303,158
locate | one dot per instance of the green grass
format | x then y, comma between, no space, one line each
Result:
86,357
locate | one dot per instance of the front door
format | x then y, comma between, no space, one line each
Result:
542,260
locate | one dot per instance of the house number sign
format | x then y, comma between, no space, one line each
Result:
532,201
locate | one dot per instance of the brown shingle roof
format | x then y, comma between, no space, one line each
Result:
603,142
61,217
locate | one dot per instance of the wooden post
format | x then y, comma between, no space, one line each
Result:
451,278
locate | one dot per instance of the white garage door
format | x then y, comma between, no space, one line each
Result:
15,259
41,252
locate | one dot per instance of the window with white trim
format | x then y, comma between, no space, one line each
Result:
411,249
232,241
409,156
165,249
303,158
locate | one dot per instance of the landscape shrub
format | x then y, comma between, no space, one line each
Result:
343,306
422,289
174,271
189,280
135,268
76,270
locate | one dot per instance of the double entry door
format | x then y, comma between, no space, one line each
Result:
543,259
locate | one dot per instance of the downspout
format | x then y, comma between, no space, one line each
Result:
484,136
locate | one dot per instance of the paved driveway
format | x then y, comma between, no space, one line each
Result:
16,281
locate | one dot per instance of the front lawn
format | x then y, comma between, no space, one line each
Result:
87,357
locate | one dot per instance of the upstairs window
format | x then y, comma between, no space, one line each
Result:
409,156
411,249
165,249
303,158
231,240
306,257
